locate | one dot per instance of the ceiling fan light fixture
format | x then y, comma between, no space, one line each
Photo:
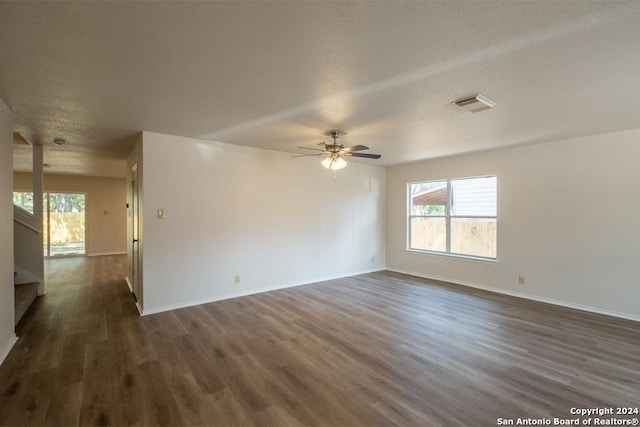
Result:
339,163
475,104
334,164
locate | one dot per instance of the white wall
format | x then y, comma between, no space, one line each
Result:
106,216
273,220
568,220
7,334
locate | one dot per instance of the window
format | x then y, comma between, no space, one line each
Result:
454,216
64,216
24,199
63,221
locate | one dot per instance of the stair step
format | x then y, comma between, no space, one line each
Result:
25,294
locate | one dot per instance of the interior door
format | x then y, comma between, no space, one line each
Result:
135,228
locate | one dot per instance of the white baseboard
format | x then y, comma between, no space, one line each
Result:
139,307
561,303
7,348
107,253
126,279
154,310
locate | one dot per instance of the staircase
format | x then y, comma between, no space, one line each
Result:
25,294
28,260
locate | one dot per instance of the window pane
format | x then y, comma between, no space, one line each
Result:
429,234
429,198
474,197
473,236
67,222
24,200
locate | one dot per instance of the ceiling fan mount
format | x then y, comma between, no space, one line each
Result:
334,151
336,133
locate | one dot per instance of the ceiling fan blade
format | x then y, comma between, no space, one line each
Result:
355,148
308,155
307,148
365,155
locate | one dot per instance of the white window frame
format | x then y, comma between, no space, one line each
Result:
448,217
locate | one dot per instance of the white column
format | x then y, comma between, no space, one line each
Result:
38,190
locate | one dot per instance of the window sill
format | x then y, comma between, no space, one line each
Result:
455,256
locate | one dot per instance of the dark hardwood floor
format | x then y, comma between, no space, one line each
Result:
377,349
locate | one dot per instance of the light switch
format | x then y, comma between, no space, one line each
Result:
161,214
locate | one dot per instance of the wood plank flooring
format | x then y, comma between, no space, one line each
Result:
371,350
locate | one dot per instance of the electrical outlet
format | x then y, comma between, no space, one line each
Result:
373,260
236,279
521,280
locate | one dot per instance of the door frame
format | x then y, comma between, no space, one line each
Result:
134,267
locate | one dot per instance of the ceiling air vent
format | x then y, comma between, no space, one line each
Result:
475,104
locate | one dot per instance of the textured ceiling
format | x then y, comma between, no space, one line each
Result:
278,74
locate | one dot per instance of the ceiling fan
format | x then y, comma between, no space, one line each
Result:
335,151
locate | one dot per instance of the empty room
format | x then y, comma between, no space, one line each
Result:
294,213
